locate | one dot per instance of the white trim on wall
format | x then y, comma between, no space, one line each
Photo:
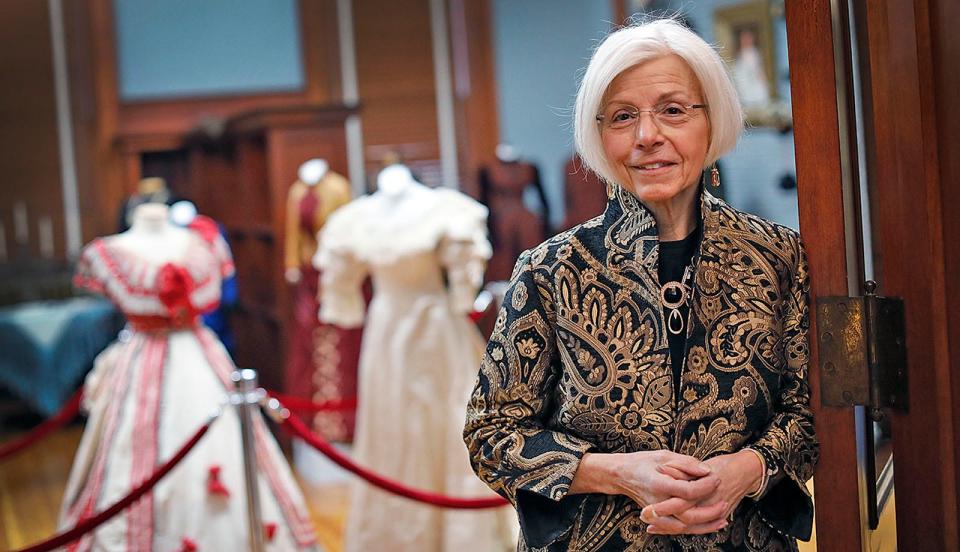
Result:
68,167
351,97
446,121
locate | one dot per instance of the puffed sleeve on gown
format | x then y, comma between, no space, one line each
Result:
513,447
91,273
464,252
341,281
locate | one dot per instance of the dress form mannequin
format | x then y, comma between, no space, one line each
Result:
152,236
321,359
152,189
425,250
158,384
585,195
513,228
310,173
399,194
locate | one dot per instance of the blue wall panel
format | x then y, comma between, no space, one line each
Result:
176,48
542,48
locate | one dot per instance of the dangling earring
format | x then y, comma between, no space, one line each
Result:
715,176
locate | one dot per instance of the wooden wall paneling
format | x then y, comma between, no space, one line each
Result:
619,10
102,178
321,51
80,67
907,217
817,148
396,80
29,149
258,312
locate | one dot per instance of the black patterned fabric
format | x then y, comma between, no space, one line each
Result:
579,361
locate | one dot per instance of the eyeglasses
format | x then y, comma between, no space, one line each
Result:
620,116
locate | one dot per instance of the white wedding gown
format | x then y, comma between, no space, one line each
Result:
425,252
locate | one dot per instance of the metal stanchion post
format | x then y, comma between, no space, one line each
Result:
247,398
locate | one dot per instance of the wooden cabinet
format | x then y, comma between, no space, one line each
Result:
241,178
238,171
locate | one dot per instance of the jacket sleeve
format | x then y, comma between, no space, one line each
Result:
788,444
511,447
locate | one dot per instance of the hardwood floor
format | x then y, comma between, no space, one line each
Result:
32,483
31,486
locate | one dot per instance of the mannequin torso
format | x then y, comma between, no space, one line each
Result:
152,236
399,197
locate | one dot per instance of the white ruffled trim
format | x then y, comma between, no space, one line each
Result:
131,281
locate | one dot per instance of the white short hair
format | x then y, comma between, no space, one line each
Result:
633,45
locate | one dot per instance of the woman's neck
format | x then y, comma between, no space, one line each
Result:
677,217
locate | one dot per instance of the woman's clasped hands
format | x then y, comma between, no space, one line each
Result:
680,494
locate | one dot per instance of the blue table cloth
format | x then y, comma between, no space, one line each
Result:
47,347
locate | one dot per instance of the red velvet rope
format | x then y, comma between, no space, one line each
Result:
304,405
51,424
87,525
297,428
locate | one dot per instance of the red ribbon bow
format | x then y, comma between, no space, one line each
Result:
174,286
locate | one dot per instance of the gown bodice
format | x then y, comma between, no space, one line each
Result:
434,247
156,295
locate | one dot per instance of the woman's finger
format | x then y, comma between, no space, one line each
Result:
673,472
694,491
668,507
699,515
687,512
688,464
672,526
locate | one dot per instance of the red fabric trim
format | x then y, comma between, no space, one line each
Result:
86,499
133,283
155,324
145,442
301,528
208,345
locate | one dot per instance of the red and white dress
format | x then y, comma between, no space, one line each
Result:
148,393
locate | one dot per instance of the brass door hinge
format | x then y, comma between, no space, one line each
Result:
863,352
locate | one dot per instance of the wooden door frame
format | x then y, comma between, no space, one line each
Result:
821,207
913,150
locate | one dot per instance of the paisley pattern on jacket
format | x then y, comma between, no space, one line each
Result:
579,361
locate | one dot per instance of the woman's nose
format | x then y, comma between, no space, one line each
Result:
647,130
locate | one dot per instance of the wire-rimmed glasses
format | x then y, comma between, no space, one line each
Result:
621,116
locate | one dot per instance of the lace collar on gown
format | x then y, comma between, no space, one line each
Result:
379,229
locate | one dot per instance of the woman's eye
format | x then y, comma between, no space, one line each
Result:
672,110
621,116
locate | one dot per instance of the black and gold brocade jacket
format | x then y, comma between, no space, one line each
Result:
579,362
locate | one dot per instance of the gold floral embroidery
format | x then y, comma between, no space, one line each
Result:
528,348
518,299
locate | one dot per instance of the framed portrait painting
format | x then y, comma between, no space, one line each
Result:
744,34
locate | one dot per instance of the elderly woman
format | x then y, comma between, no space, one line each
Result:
645,387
